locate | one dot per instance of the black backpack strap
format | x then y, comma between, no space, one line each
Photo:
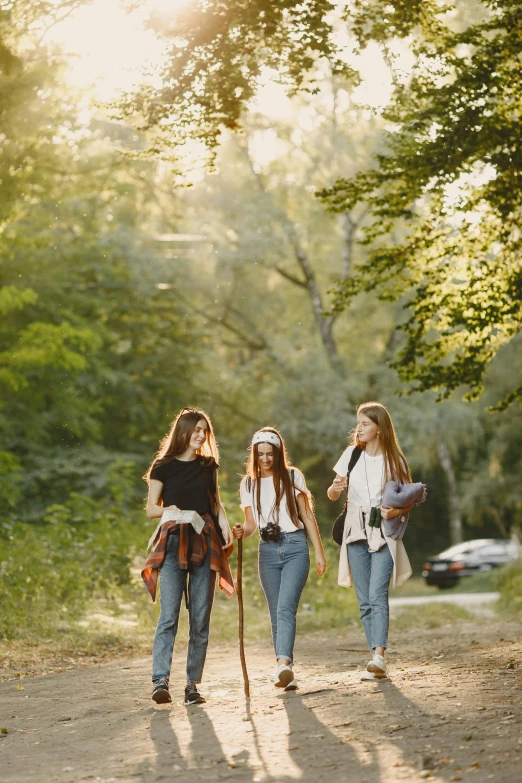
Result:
354,458
292,475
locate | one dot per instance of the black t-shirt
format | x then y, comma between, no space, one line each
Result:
187,485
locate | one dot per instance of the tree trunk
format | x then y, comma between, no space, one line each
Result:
454,498
324,324
349,227
308,280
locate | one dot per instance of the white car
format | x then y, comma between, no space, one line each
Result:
468,558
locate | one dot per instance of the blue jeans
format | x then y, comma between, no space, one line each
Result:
371,572
201,584
283,570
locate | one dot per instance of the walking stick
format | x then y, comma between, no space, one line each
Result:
241,626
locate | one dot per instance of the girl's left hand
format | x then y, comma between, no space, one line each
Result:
227,535
320,564
387,512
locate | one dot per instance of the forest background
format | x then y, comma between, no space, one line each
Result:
137,277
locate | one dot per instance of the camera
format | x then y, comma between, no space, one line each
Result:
270,532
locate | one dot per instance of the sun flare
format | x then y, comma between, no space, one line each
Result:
111,49
109,45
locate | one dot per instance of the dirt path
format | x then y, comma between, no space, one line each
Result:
451,711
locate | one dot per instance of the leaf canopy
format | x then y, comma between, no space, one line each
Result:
217,52
446,194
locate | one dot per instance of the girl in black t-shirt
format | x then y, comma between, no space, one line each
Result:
183,476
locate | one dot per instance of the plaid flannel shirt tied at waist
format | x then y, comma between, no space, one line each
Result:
192,548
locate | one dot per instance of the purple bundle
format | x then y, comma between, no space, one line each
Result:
399,495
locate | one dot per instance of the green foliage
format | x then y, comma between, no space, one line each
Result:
449,182
108,326
83,548
92,352
217,53
372,20
509,581
484,582
13,298
10,485
453,123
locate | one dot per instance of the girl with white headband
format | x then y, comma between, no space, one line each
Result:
275,501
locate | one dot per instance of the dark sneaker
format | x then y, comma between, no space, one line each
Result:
161,694
192,695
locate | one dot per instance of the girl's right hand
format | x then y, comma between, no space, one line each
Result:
171,508
238,531
335,490
339,483
320,563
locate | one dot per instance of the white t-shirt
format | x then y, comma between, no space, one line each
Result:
267,498
366,479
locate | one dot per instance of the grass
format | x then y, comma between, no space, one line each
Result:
430,616
414,586
74,647
479,583
486,582
509,583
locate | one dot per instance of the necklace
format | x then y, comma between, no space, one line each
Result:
366,474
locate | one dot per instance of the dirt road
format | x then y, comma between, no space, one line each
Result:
451,711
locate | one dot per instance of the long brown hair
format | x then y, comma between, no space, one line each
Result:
283,486
395,463
177,440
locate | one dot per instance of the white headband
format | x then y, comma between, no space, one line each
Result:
266,437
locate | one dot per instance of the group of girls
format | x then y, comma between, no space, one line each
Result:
276,503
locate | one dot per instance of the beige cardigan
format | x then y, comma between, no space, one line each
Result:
401,564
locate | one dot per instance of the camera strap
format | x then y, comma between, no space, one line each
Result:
374,517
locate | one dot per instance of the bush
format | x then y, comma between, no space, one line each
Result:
49,572
509,582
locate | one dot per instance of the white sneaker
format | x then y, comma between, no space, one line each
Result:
292,686
369,676
377,666
283,676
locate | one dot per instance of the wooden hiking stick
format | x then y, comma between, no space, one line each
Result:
241,618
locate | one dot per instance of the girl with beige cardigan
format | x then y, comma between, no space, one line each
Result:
369,558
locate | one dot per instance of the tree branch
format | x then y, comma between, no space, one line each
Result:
291,278
324,324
